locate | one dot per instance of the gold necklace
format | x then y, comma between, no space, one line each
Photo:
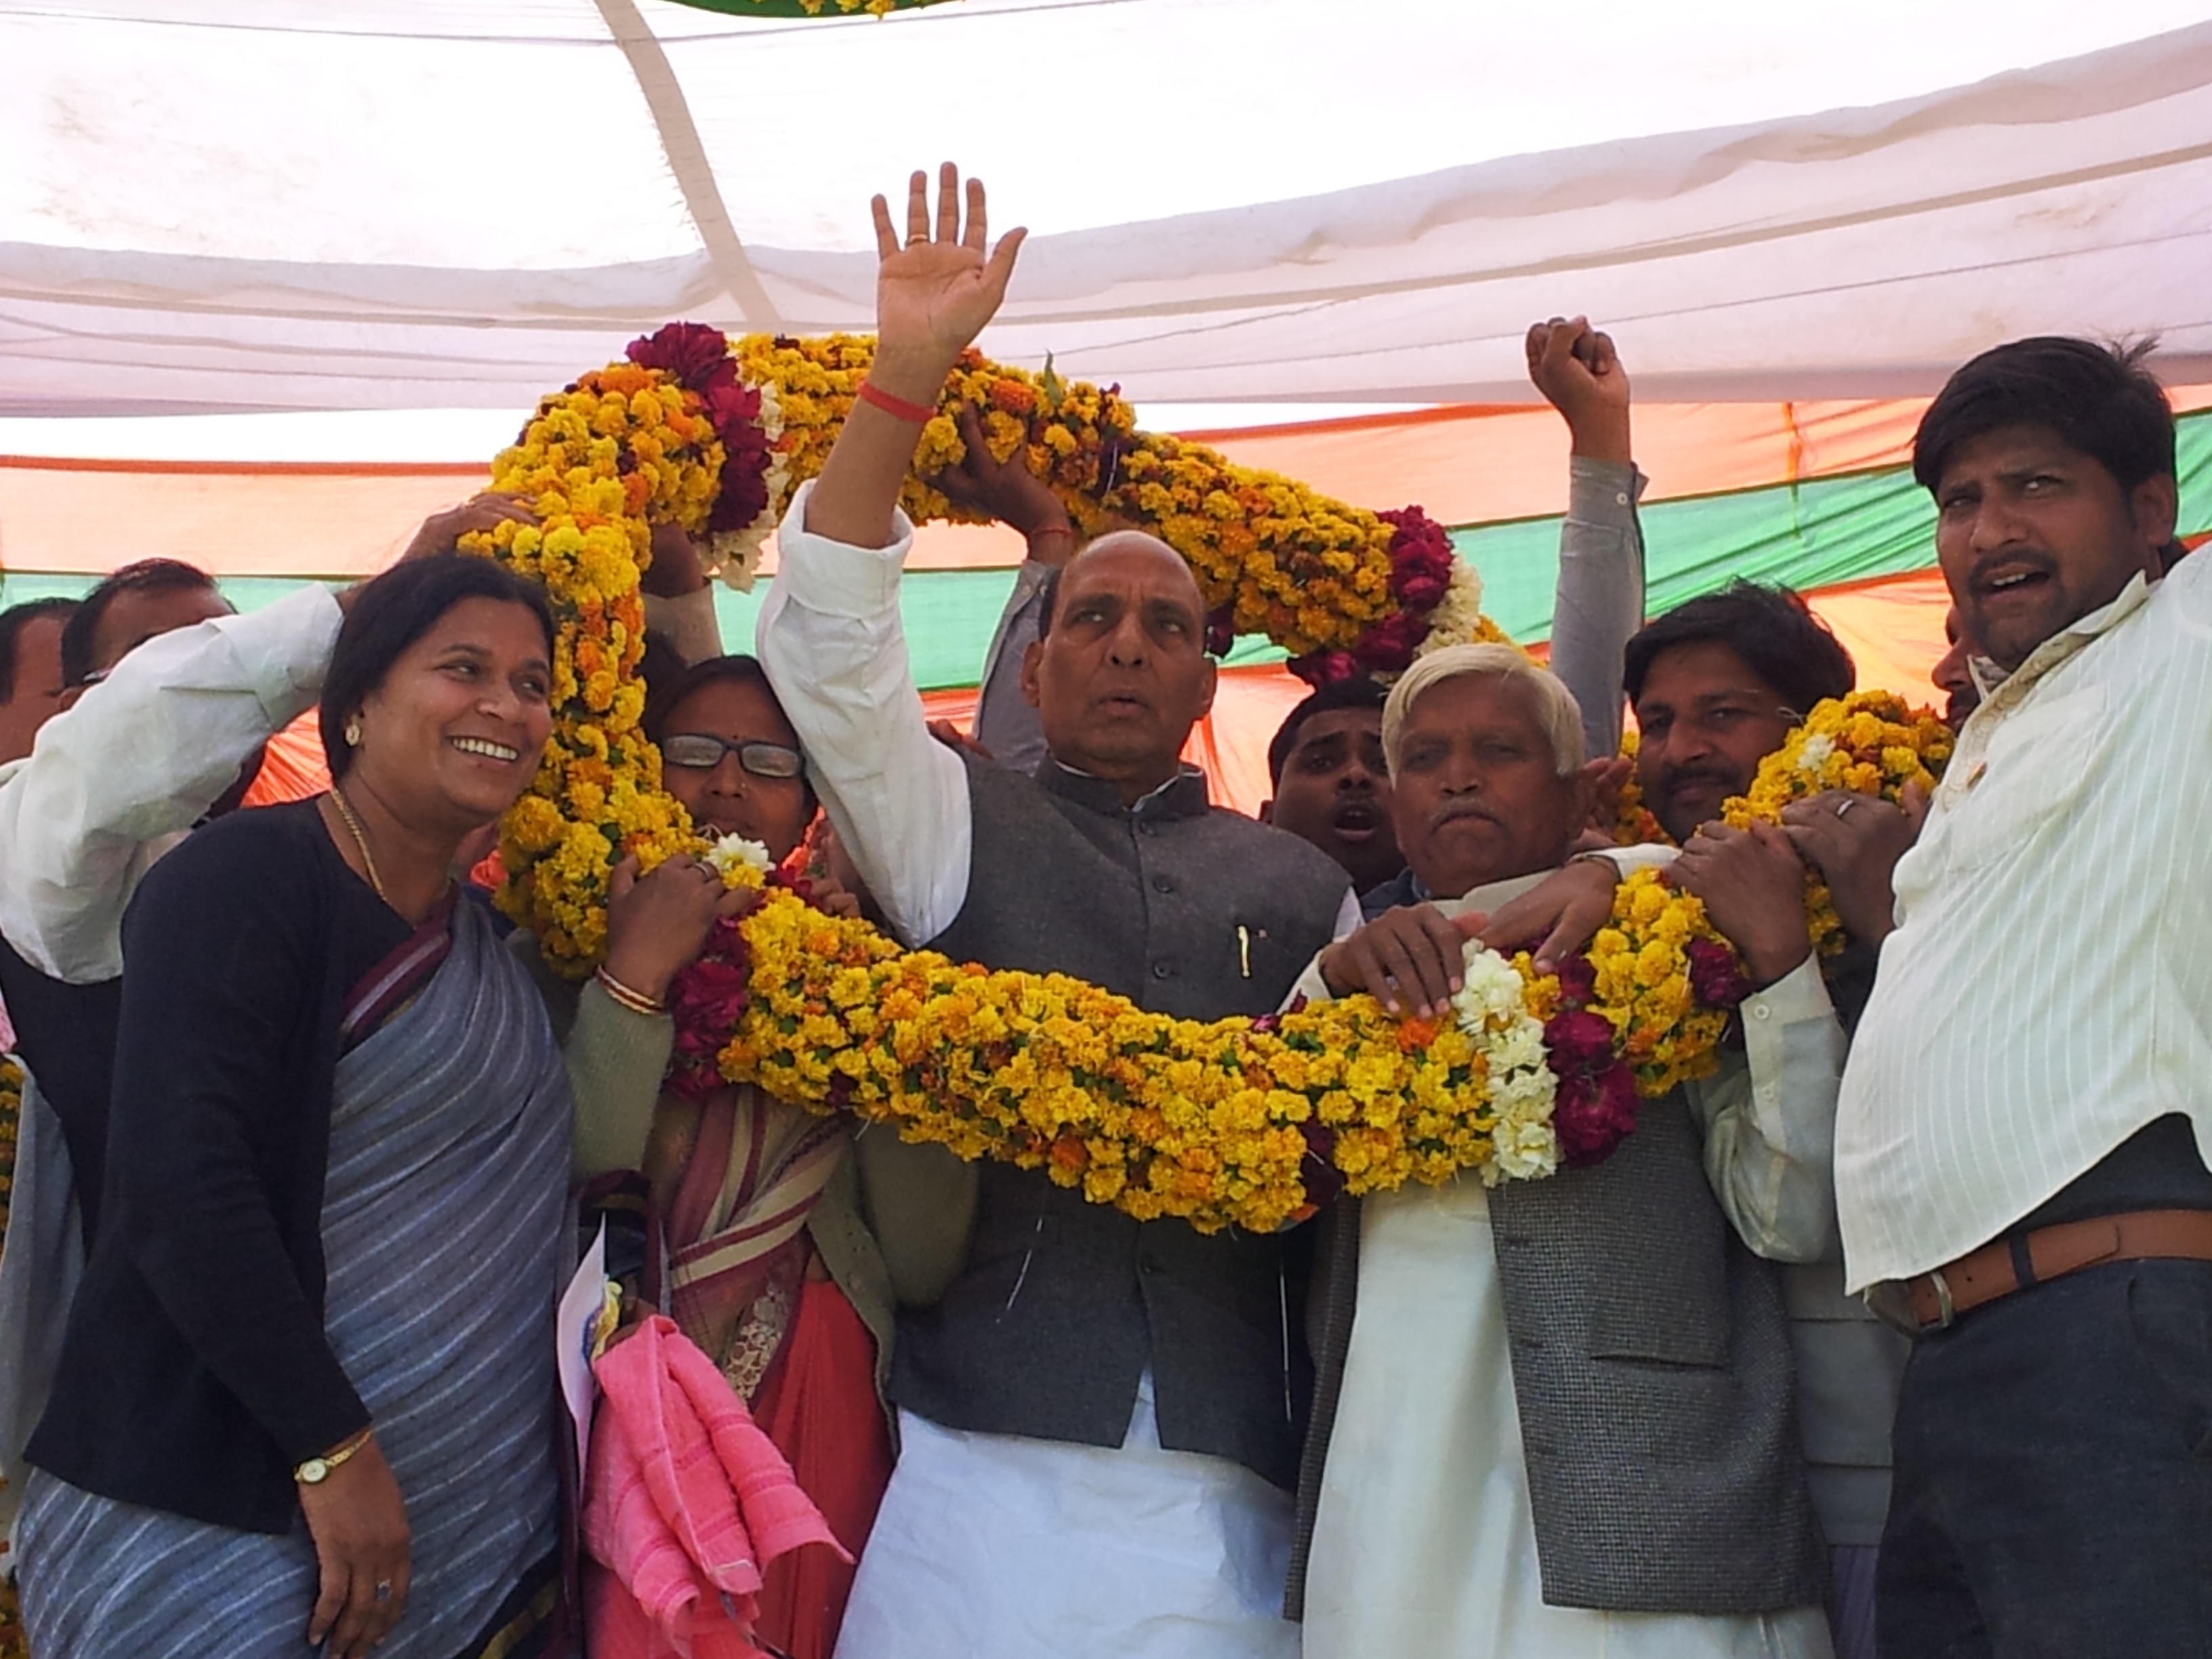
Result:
360,840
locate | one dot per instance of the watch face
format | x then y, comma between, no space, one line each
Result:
312,1471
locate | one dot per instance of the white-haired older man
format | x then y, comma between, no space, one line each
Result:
1556,1417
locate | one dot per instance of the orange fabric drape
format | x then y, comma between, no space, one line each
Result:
292,767
1464,464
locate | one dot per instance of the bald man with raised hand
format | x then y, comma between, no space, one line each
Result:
1098,1420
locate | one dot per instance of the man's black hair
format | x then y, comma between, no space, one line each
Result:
13,621
393,611
1769,628
146,576
2100,400
1356,692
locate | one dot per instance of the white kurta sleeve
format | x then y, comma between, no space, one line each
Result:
831,639
142,756
1770,1121
1311,987
1627,861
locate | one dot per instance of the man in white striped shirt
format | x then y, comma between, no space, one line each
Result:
2019,1161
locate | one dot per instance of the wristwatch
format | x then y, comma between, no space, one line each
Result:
316,1470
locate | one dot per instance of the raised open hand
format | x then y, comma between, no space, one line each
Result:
935,292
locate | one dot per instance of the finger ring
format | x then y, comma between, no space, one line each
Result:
1391,980
384,1589
1844,807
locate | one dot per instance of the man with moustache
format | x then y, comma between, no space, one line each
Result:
1554,1418
1097,1420
1716,685
2021,1148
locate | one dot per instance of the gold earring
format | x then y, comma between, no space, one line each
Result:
352,732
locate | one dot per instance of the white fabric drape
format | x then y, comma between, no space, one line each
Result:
279,203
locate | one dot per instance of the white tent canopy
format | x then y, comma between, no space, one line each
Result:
269,204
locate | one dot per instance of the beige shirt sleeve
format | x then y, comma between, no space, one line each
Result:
1770,1119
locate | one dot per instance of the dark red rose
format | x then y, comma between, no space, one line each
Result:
1317,1171
708,999
743,494
1577,1041
688,351
1592,1115
1421,559
1422,592
1319,668
1388,647
1716,976
730,403
1578,979
742,498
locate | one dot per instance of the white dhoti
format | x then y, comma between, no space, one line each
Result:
990,1546
1424,1544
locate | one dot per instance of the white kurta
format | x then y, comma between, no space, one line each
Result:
1424,1545
989,1546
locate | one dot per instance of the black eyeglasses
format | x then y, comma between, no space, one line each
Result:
701,751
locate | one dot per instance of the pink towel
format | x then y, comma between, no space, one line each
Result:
684,1501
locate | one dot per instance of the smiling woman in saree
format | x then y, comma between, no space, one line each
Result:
307,1391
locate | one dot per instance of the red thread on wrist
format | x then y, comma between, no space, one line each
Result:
872,393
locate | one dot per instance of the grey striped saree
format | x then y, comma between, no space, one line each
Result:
442,1226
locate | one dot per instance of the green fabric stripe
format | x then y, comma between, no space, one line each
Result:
1812,535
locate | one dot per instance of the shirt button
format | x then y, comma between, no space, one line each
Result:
1145,828
1162,884
1760,1011
1149,1265
1161,970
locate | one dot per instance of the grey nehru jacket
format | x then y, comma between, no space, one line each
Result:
1652,1374
1652,1377
1187,910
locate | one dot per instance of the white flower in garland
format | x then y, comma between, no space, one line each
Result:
730,854
1457,619
1818,747
1492,1004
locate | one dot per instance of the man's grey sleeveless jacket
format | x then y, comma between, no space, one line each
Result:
1062,1304
1653,1375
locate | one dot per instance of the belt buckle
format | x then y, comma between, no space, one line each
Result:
1891,1302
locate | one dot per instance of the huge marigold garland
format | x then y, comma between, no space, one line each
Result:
1341,588
1219,1123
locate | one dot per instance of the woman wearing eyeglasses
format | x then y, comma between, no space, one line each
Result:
769,1266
